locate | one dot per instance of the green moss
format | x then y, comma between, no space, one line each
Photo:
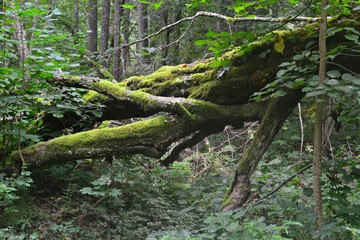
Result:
80,143
93,96
231,20
163,74
227,201
104,124
111,88
122,84
101,69
203,90
196,67
201,77
74,79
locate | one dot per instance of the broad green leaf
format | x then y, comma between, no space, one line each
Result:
310,44
280,93
352,37
347,77
128,6
332,82
202,42
86,190
157,5
281,73
285,64
56,11
264,53
274,162
331,31
345,89
279,46
333,73
232,227
115,192
353,30
58,114
298,57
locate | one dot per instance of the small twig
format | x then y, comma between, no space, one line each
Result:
350,55
100,68
226,18
340,66
197,137
138,60
283,183
349,147
181,37
295,17
302,131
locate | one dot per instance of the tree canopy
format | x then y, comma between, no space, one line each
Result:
56,110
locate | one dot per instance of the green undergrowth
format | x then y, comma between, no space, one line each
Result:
136,198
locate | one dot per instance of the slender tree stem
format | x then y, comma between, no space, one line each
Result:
319,120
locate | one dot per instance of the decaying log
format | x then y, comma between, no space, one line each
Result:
190,101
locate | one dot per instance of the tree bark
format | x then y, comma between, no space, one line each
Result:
190,101
105,23
19,35
276,114
117,68
3,63
126,36
150,137
142,29
76,16
166,45
93,25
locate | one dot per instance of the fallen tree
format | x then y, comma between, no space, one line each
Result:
186,103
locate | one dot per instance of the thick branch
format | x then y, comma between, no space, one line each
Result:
197,137
278,111
190,108
149,137
226,18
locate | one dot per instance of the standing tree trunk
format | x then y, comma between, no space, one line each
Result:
117,69
104,38
276,113
168,32
165,17
176,51
19,34
319,120
2,44
93,25
76,16
142,28
126,38
35,19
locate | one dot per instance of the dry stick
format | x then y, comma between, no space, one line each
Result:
283,183
100,68
349,147
181,37
138,59
293,18
226,18
340,66
302,131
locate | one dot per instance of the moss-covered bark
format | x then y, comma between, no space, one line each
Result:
150,137
277,112
193,100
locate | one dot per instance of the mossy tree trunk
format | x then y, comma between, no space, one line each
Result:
276,114
190,101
